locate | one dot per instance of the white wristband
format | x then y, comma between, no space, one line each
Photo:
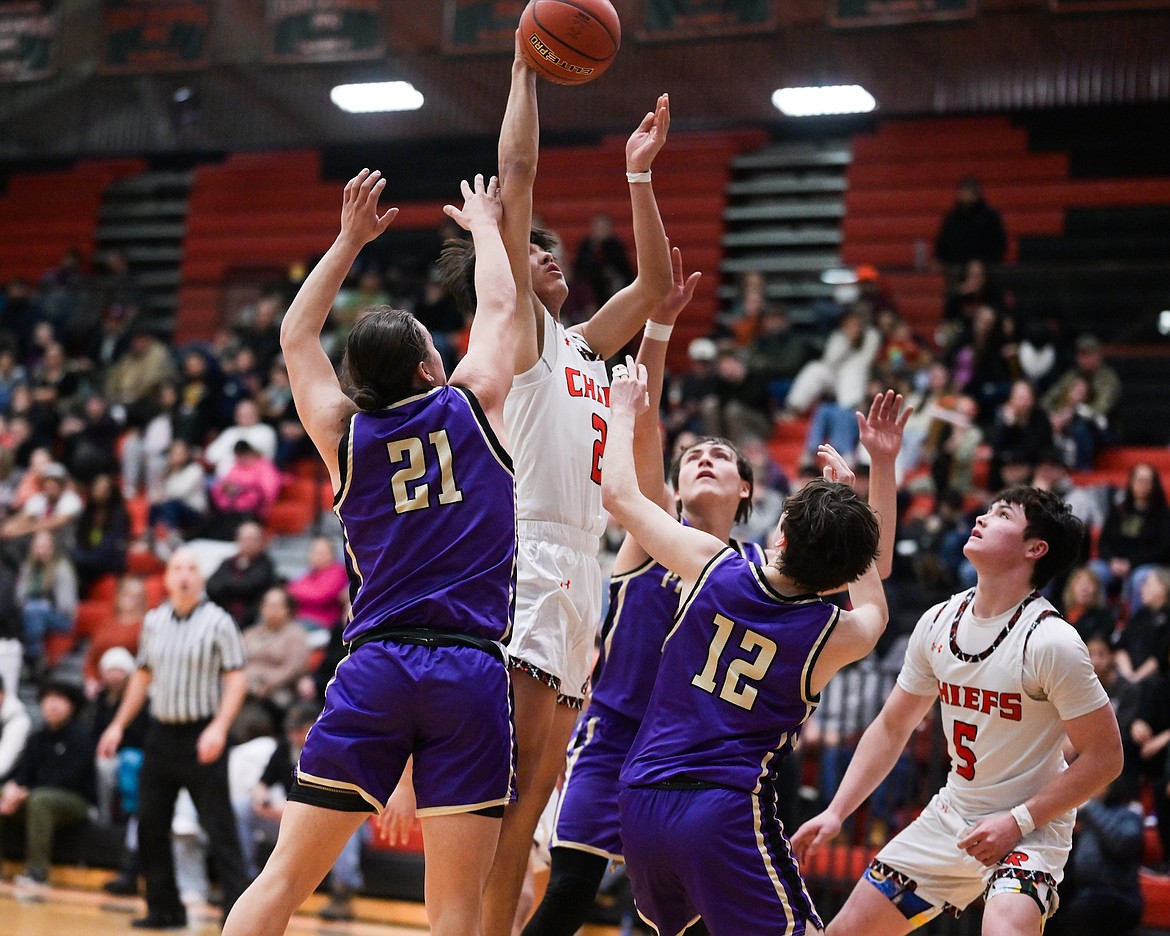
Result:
656,331
632,177
1023,819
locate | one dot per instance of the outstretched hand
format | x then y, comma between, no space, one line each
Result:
627,392
647,140
479,204
881,430
680,294
360,220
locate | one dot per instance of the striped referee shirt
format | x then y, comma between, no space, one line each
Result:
186,658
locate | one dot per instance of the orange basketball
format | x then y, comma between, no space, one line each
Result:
570,42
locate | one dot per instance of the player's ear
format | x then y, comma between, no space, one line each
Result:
1035,548
424,375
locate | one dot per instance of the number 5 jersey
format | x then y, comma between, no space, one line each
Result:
732,690
428,509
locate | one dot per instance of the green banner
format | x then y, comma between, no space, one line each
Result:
28,32
323,30
694,19
154,35
481,25
847,13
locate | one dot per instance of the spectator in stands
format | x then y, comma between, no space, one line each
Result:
20,313
62,288
439,314
368,292
1142,645
777,354
197,411
971,230
602,264
242,380
12,374
247,492
47,591
692,392
259,329
221,454
144,451
1021,434
11,624
1039,357
41,416
740,403
1146,745
1089,504
178,502
117,775
241,581
279,410
973,289
102,534
262,819
982,360
121,629
54,507
1079,430
1136,533
1101,891
15,726
739,321
900,354
1083,605
89,437
769,492
134,380
1123,695
278,656
53,381
53,785
1102,391
842,372
322,593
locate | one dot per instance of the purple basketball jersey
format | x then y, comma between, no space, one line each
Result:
733,685
642,606
428,509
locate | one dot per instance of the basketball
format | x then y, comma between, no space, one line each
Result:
570,42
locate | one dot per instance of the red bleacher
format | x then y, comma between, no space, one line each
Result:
47,213
902,180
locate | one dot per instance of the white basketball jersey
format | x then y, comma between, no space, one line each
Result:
556,415
1006,685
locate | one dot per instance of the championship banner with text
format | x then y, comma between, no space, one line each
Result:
695,19
481,25
28,31
847,13
154,35
323,30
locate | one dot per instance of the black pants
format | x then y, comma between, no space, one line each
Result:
169,764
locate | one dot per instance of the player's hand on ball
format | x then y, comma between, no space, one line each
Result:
480,204
360,221
628,390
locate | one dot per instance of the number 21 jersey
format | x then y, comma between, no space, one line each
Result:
428,509
732,691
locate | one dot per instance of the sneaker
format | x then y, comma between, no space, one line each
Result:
339,908
124,885
162,920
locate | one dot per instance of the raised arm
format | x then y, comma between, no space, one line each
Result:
323,407
518,148
877,752
486,369
618,320
881,434
683,550
647,438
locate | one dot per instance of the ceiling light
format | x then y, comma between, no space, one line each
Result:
839,277
816,102
377,96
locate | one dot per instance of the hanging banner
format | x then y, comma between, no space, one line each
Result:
28,31
323,30
481,25
154,35
699,19
848,13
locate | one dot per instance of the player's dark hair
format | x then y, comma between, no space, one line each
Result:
457,267
830,534
741,463
1049,519
382,354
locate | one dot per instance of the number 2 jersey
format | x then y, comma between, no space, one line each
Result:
1006,685
428,509
732,691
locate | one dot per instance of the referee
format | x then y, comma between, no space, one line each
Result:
190,663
